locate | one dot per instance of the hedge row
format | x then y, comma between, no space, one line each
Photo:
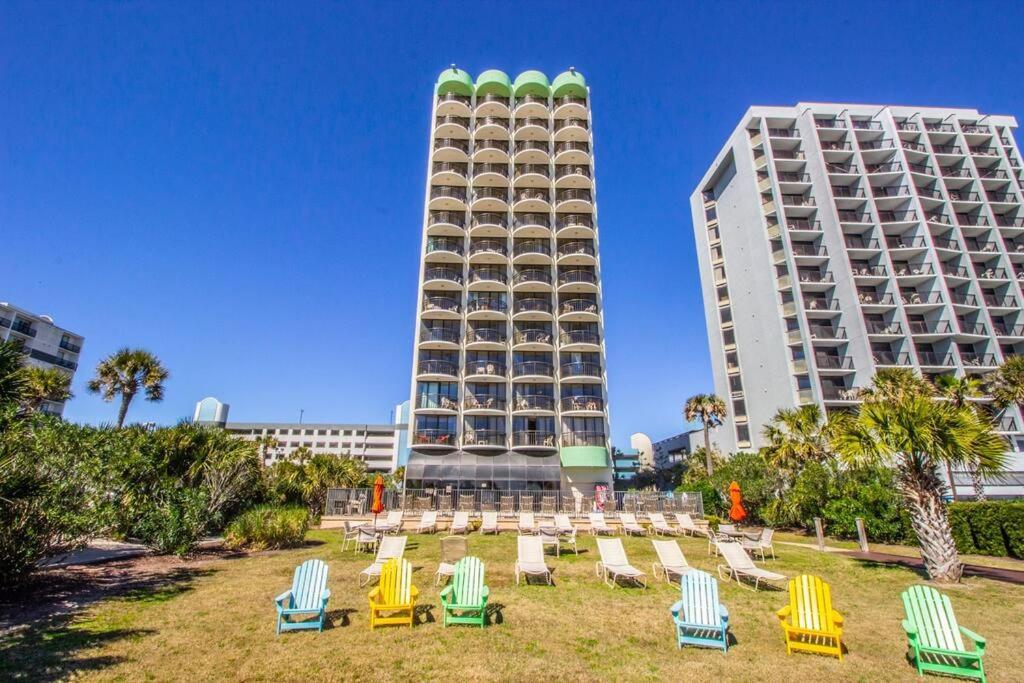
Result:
991,528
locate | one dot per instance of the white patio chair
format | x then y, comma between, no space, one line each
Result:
670,560
614,563
738,564
530,558
630,525
390,547
598,525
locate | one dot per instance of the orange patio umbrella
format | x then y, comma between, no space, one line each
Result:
736,512
377,506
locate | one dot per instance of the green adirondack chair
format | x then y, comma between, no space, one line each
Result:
464,600
308,597
935,639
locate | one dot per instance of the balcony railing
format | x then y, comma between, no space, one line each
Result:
906,126
846,192
955,271
579,337
449,274
910,270
437,367
581,369
456,218
499,121
449,167
875,299
913,146
487,275
851,216
489,218
523,247
571,169
816,278
976,329
792,177
963,196
992,174
843,169
497,247
441,303
483,437
533,401
975,130
943,243
22,327
448,192
457,120
1007,222
923,169
877,144
829,123
815,304
840,393
889,167
569,277
1000,301
454,143
951,172
532,275
532,305
436,401
583,439
963,299
875,327
452,97
939,127
485,99
532,336
532,169
897,216
827,332
439,334
436,244
591,403
489,335
532,193
803,224
576,247
572,146
935,359
500,193
574,194
577,306
498,169
533,367
919,299
561,124
890,358
483,402
489,144
858,242
68,346
433,437
538,145
905,242
860,124
992,274
492,368
486,304
947,149
983,360
868,271
1003,330
535,439
522,220
833,362
804,249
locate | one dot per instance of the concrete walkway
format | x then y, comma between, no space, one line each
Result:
105,550
995,573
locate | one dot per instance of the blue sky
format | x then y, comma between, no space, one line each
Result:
238,187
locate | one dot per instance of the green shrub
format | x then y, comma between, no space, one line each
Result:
710,496
960,524
268,526
175,522
1013,529
990,528
987,528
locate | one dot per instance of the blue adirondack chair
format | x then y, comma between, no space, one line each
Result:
308,596
700,619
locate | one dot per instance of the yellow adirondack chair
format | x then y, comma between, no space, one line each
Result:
808,621
393,600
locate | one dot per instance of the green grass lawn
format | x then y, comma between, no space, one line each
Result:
216,621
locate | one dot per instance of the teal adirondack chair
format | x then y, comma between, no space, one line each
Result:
308,596
464,600
935,639
700,619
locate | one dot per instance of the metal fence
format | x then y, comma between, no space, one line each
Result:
510,503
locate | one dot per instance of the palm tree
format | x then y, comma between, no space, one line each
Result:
45,384
957,390
126,373
1006,385
264,444
797,437
12,375
710,410
916,434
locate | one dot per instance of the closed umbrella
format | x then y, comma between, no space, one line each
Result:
736,512
377,506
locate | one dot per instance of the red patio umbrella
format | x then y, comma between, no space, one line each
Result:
377,506
736,512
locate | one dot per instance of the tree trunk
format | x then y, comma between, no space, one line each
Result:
922,492
707,449
126,400
979,485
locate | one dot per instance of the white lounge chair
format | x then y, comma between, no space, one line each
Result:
689,525
728,530
598,526
489,523
760,544
526,523
453,549
549,536
392,524
614,563
530,559
659,526
670,560
390,547
738,564
629,524
460,523
428,523
564,524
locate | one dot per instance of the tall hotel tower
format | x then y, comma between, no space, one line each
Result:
508,377
835,240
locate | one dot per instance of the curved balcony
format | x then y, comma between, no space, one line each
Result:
532,280
488,224
449,126
488,251
437,369
532,152
444,249
577,281
483,439
584,439
491,127
531,308
578,339
574,200
486,309
533,439
442,278
533,403
441,307
493,175
537,339
482,405
532,199
532,225
489,199
446,223
485,338
570,106
448,173
581,371
577,253
582,404
486,369
436,403
533,369
574,226
530,106
491,152
578,310
532,128
488,279
447,198
433,439
531,251
568,176
572,152
451,150
574,129
450,104
439,337
532,175
492,105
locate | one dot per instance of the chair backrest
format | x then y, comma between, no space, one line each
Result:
391,547
526,519
931,612
394,518
531,549
628,519
612,552
597,519
548,534
657,519
669,554
767,535
469,581
727,528
460,519
684,519
810,602
308,583
429,518
454,548
489,519
563,523
735,555
396,581
700,599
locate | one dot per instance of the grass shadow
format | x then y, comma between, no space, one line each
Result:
495,613
423,614
339,618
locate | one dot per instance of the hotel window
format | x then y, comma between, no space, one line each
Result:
719,274
716,253
743,436
714,235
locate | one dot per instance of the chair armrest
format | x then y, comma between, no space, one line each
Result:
910,630
413,592
485,593
287,595
723,612
676,608
784,613
979,642
837,618
446,593
374,594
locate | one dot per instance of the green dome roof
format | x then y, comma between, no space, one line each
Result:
454,81
531,83
494,82
569,83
